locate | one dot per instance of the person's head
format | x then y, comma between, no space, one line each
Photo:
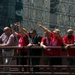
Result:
57,33
69,32
6,30
33,33
47,34
57,30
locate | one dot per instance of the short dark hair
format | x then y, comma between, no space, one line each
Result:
33,30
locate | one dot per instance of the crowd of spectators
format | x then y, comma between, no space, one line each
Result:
32,39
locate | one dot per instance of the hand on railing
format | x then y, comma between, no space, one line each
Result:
30,45
67,46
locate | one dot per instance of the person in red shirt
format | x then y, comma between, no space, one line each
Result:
69,41
55,40
22,41
45,42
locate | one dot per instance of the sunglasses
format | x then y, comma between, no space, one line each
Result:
69,32
31,33
5,30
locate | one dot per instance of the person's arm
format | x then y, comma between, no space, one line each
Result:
67,45
44,28
42,44
1,36
30,45
23,30
13,31
10,41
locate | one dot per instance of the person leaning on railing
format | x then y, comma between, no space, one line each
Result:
69,41
45,42
35,41
22,41
7,40
54,40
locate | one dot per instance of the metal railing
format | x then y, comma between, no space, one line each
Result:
50,69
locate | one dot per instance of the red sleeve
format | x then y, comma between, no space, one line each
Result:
74,39
42,40
65,40
52,34
26,39
61,40
26,36
19,35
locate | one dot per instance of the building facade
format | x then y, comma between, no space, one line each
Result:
10,12
36,12
7,13
50,13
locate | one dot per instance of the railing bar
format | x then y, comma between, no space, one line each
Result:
54,66
35,73
38,56
17,47
41,66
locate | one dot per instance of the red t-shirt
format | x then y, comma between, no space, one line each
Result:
66,40
53,42
23,41
46,42
57,42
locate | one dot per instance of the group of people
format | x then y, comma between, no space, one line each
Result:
31,38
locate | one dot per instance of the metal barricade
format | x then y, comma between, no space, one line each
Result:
51,69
